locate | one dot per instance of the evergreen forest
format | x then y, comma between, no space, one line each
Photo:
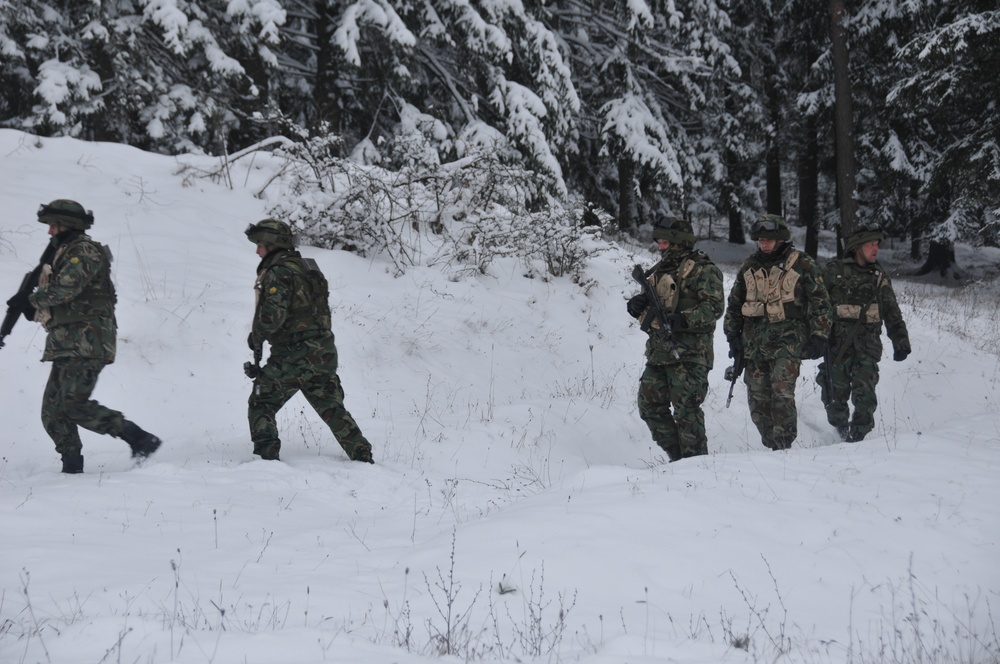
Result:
833,114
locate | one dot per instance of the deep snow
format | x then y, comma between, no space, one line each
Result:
517,510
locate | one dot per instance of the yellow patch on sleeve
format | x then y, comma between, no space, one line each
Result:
74,260
272,290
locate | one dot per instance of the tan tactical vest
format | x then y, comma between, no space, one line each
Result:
768,291
669,289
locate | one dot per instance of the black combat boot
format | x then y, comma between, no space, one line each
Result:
72,464
142,442
363,454
782,443
268,451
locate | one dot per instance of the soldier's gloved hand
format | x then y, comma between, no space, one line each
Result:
636,305
676,321
735,346
816,348
20,301
900,354
251,370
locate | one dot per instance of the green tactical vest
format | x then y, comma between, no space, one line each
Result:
309,307
97,300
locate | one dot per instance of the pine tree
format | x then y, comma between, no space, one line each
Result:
170,75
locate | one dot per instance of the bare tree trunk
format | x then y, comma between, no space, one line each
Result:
325,91
844,119
626,194
772,157
940,252
809,185
731,200
940,258
772,165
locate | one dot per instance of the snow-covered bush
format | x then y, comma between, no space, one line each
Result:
403,199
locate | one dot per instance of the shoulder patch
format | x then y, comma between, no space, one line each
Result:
74,260
272,290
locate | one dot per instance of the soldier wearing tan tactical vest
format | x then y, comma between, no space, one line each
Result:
777,314
675,381
293,316
75,302
863,300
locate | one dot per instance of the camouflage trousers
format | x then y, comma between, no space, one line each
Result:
853,379
771,396
670,398
66,405
309,367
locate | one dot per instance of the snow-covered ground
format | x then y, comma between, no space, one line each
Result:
517,511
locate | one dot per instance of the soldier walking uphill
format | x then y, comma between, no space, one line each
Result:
75,301
293,316
679,351
778,314
862,299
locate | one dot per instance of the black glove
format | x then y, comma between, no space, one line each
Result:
900,354
735,346
816,348
676,321
19,302
251,370
636,305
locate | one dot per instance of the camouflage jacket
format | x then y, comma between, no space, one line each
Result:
699,297
776,303
851,288
80,298
292,300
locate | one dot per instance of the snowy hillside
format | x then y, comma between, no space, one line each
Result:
517,510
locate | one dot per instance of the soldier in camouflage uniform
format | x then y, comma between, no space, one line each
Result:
862,299
293,316
778,314
75,301
675,381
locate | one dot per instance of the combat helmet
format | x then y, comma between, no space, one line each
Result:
66,213
674,230
862,235
770,227
271,232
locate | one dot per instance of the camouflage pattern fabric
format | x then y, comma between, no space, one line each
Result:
852,380
81,299
771,397
309,367
774,349
670,399
672,389
293,315
66,405
855,376
292,300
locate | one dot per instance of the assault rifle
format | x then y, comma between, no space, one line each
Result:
656,310
732,373
828,376
252,369
19,305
